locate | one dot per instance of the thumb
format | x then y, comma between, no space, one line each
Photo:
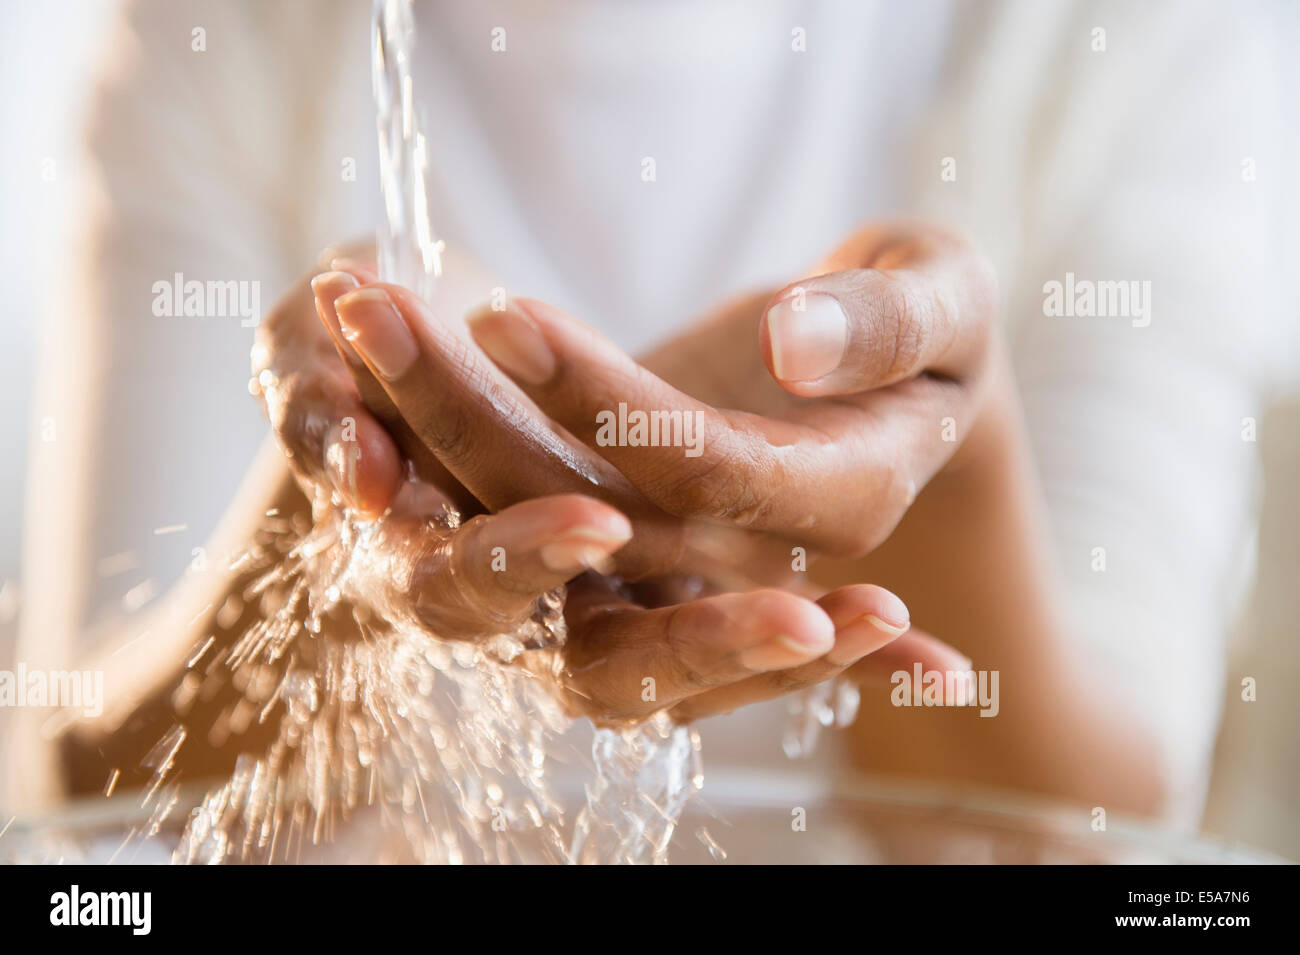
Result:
855,330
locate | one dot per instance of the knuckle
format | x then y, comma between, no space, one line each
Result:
445,598
452,435
697,490
680,661
681,673
714,490
790,681
446,424
908,321
505,593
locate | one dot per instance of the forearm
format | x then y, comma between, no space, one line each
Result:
145,665
971,558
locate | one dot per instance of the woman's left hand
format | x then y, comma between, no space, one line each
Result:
879,358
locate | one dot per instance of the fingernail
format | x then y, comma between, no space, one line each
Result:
806,342
516,344
892,615
371,322
341,464
884,625
581,548
780,652
329,287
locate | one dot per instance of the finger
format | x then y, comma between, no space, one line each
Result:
924,307
685,456
624,662
361,461
866,618
485,578
328,436
487,432
333,441
917,649
836,475
328,288
461,412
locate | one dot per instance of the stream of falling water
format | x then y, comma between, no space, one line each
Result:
433,750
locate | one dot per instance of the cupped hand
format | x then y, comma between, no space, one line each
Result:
881,358
624,659
814,421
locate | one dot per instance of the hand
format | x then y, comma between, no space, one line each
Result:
322,420
880,360
876,371
704,655
713,655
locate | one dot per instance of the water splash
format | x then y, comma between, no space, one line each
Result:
445,749
831,704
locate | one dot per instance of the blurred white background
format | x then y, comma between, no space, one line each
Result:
50,57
